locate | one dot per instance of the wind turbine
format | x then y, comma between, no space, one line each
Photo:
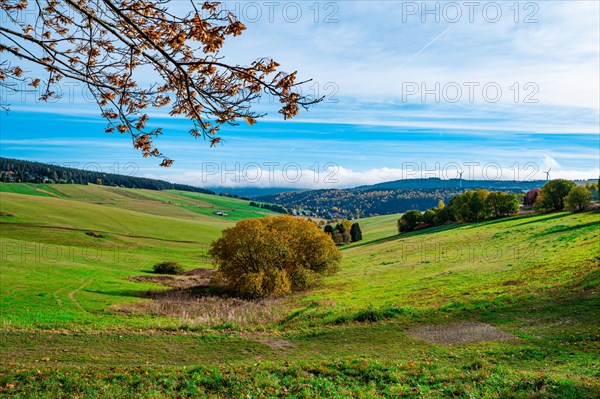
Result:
460,177
548,174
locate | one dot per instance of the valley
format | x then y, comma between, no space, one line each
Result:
469,308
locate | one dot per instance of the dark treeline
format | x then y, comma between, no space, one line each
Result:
272,207
353,203
471,206
19,171
233,196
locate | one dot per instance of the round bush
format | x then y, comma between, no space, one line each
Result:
273,256
169,267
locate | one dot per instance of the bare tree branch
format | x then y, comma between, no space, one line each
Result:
107,44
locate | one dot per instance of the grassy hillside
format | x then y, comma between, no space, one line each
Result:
181,204
505,308
465,270
48,260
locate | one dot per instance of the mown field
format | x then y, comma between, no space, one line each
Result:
505,308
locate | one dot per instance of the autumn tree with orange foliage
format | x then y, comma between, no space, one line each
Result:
273,256
108,45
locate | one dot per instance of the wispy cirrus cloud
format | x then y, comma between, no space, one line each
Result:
370,57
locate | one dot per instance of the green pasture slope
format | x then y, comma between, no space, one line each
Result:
65,333
168,203
47,255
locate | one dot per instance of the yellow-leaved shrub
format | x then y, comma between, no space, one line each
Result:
273,256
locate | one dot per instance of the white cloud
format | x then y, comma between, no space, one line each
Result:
212,174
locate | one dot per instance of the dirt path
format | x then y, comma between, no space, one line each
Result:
274,343
464,332
72,294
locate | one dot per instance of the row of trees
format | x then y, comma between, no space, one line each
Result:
474,205
478,205
560,194
19,171
233,196
271,207
344,232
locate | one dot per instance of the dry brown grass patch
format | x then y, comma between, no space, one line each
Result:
464,332
192,300
192,278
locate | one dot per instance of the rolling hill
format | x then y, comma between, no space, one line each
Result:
388,197
393,196
433,183
48,231
21,171
504,308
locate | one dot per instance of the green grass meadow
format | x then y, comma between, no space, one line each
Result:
75,325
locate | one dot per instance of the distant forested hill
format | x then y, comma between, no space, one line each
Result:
437,183
389,197
253,192
354,202
19,171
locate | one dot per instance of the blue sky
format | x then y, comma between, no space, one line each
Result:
496,90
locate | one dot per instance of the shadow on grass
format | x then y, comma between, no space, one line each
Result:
148,271
188,286
552,216
189,293
126,293
471,225
537,217
200,306
429,230
501,220
567,228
